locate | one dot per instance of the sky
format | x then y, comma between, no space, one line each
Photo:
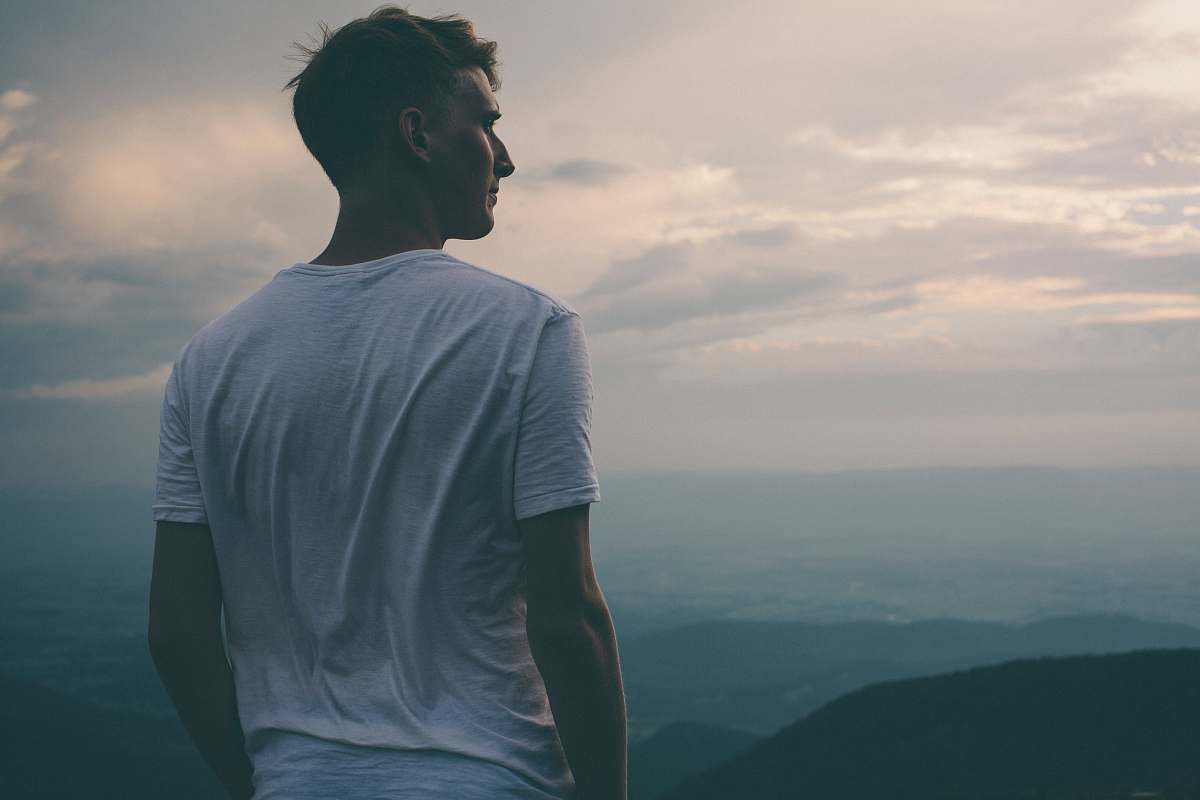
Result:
820,236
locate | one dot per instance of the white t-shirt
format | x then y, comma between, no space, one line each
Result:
361,441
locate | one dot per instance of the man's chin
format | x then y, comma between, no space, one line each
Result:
480,231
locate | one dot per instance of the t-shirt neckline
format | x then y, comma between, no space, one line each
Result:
402,257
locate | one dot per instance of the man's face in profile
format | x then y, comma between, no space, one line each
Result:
469,160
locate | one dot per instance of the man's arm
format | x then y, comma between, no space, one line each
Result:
185,643
574,645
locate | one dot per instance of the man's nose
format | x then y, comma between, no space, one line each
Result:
504,163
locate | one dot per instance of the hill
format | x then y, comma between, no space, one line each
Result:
677,750
759,676
1052,729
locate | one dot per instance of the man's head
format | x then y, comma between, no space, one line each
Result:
394,104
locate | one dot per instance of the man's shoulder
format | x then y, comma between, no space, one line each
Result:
553,302
215,337
218,329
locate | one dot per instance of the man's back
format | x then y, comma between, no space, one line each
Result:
365,439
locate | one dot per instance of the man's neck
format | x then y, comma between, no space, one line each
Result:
338,254
367,230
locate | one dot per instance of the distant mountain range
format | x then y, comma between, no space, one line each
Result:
1116,726
672,550
759,676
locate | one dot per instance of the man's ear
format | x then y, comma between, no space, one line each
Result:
415,133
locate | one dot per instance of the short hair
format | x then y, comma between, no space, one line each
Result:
358,79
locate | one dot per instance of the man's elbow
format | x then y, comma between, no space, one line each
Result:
168,647
162,647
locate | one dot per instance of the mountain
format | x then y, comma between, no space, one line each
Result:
57,747
1111,726
677,750
759,676
1020,728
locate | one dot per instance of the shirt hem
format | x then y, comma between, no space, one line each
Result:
561,498
180,514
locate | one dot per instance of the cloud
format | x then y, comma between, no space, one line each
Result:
773,236
120,313
1002,147
1159,314
579,171
1165,61
996,293
985,225
88,388
177,177
123,234
12,101
15,100
932,62
572,234
1109,216
15,154
740,290
182,176
630,273
975,297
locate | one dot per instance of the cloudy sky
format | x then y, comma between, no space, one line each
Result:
822,235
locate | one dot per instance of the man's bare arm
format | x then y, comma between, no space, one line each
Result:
574,644
189,654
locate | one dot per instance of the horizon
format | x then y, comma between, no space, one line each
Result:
979,543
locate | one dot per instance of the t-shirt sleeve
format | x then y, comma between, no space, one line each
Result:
177,495
553,467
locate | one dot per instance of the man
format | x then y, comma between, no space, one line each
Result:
375,472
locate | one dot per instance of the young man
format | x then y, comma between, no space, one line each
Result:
376,471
